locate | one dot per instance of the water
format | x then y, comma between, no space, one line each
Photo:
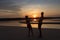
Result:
17,23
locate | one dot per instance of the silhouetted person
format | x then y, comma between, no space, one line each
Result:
40,24
29,26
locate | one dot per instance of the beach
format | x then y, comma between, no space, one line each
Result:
21,33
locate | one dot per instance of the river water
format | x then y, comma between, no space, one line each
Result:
17,23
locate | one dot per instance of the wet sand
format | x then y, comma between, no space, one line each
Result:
21,33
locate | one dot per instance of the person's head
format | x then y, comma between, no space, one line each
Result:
42,14
26,16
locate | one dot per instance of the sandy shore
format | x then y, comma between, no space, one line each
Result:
20,33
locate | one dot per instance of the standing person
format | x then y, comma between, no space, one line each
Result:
29,26
40,24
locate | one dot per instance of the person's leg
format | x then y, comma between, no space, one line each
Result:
39,28
40,33
32,31
28,32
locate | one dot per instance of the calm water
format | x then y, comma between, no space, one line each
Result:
16,23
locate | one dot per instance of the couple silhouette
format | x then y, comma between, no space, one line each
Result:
39,25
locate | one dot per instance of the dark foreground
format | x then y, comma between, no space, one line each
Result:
20,33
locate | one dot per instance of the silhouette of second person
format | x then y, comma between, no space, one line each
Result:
29,26
40,24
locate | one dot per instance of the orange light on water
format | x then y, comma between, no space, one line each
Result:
35,20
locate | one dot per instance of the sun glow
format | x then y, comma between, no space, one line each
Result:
34,16
30,10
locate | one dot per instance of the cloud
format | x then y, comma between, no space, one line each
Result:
8,5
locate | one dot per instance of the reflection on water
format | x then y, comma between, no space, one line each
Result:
17,23
35,20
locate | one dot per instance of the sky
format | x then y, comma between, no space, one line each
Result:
20,8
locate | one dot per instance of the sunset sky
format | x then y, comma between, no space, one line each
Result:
20,8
